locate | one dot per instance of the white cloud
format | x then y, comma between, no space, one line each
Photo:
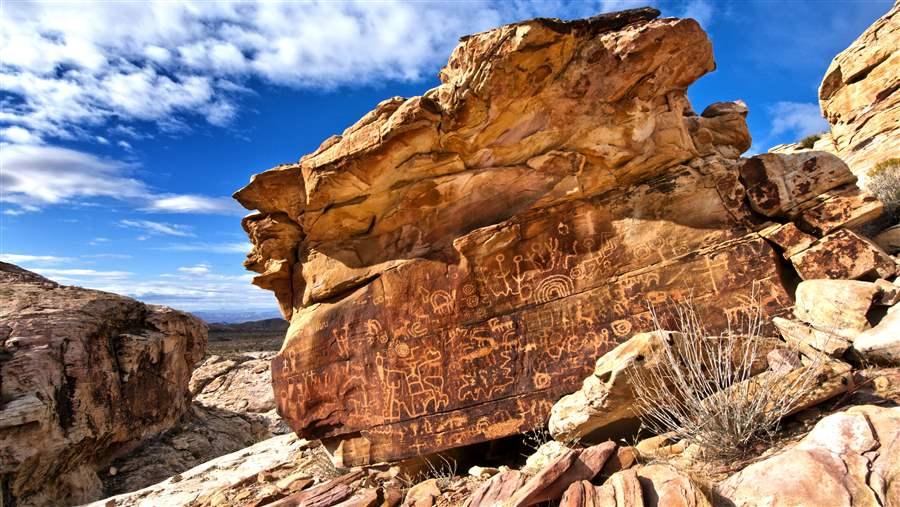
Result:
194,204
199,269
196,287
701,10
19,135
152,228
33,176
33,259
40,175
98,241
76,65
124,144
77,273
220,248
797,118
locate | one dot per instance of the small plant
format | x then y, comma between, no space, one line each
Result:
709,390
809,141
884,182
443,473
536,438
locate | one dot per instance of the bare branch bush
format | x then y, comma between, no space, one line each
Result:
884,182
709,390
444,473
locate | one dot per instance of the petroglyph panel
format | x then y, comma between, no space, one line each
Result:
457,261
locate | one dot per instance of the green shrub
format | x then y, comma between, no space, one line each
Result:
808,141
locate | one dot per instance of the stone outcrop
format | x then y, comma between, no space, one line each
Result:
449,261
233,407
203,481
850,458
84,375
860,96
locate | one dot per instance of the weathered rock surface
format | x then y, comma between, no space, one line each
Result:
881,344
606,396
233,407
449,261
84,375
850,458
201,482
860,96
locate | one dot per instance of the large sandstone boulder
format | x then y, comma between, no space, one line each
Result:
84,375
450,261
860,96
850,458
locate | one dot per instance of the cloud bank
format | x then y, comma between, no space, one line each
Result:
34,176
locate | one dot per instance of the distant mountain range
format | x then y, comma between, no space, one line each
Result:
266,326
229,317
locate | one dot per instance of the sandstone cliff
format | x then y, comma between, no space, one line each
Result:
860,98
450,260
84,375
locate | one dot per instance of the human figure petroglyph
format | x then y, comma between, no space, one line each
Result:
414,383
711,269
341,337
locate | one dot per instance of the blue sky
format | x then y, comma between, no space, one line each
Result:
125,126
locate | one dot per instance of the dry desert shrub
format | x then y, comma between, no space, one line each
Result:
884,182
710,391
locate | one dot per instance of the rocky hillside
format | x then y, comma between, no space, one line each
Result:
450,261
232,408
84,376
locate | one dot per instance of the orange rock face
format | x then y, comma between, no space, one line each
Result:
453,263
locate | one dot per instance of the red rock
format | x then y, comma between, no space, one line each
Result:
844,255
544,487
497,489
449,261
833,465
777,184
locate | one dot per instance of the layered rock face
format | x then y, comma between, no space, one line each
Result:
450,260
83,375
860,96
232,408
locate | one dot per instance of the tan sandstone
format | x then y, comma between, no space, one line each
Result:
85,376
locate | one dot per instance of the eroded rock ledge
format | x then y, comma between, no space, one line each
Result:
450,260
84,375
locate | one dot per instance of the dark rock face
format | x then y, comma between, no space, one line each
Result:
84,374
